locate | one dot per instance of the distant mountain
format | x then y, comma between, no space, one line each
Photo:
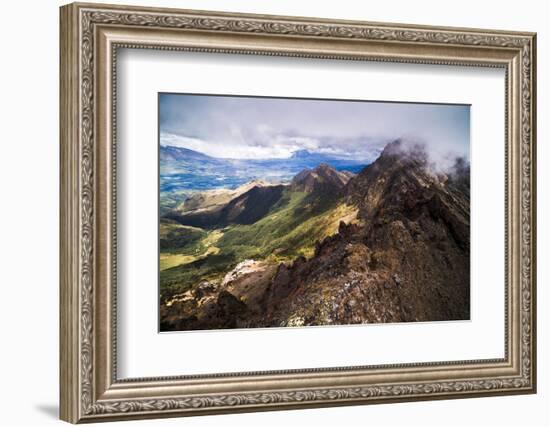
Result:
302,159
216,199
180,154
217,208
306,154
182,169
249,202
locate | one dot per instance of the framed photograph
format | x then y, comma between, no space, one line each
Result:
266,212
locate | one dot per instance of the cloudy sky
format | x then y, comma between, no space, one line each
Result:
252,127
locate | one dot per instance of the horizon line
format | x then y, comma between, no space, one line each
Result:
270,158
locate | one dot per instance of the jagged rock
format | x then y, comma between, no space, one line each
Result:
204,288
244,267
410,251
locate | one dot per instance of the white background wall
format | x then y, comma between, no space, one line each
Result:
29,170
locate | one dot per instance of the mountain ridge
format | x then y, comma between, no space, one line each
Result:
412,240
225,206
402,255
322,178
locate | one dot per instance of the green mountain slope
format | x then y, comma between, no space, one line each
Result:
245,208
289,230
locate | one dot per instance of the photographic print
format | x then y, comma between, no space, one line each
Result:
290,212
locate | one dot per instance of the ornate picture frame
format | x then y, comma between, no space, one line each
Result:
90,37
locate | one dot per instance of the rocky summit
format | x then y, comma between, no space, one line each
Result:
323,179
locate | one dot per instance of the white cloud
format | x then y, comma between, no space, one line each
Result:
231,149
246,127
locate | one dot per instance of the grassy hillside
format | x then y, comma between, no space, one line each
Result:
174,236
289,230
181,244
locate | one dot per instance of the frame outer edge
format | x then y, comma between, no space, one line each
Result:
533,202
305,19
69,354
76,336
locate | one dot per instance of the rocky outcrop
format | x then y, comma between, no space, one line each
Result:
233,303
407,259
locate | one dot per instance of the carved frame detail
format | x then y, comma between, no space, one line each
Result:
80,401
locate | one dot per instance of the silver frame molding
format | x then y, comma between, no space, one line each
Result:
90,37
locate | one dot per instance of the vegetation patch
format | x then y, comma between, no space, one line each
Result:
291,229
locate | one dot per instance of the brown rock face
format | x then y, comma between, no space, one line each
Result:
407,260
234,303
